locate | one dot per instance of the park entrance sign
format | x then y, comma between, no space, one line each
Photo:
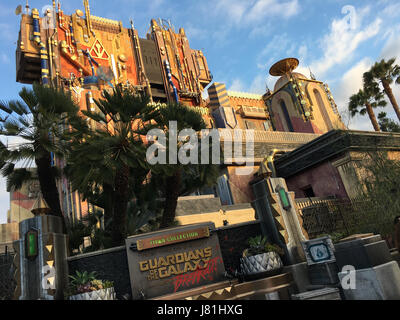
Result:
173,260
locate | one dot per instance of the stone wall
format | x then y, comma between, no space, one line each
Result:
324,179
7,283
8,233
110,264
233,240
197,204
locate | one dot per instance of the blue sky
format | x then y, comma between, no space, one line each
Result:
337,39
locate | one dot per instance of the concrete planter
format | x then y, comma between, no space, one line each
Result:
261,264
103,294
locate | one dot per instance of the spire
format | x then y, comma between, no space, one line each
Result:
312,76
267,90
27,7
87,13
40,207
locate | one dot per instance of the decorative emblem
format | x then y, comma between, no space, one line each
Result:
31,244
98,51
319,250
230,117
77,94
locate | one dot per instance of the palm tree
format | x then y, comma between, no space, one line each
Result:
384,72
364,102
108,164
178,179
387,124
39,120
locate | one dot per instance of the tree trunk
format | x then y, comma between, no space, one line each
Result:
389,93
172,188
108,193
48,185
119,223
372,117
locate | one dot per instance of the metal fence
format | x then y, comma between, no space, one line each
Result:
344,217
7,283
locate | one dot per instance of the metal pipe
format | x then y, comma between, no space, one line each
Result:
169,75
91,61
88,21
71,31
43,50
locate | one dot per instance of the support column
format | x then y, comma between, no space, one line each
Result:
41,259
282,224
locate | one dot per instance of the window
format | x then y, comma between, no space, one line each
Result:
308,192
250,124
323,111
286,115
266,125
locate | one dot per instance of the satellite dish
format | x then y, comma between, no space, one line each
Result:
283,67
18,10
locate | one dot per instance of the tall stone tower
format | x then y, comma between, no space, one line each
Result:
300,104
86,54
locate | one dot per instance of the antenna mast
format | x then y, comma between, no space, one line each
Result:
27,7
87,13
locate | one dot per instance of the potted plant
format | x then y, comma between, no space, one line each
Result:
85,286
261,258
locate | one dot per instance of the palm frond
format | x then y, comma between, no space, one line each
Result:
17,178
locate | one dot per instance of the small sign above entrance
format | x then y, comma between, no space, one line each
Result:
165,240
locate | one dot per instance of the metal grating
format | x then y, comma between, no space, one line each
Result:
7,283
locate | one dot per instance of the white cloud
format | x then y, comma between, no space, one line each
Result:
4,58
232,10
344,38
350,83
303,53
263,30
255,13
276,49
237,85
268,8
258,84
194,32
392,10
392,46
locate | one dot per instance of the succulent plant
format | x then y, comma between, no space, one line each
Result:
83,282
259,244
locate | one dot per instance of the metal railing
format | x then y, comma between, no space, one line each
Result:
7,282
343,217
306,202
